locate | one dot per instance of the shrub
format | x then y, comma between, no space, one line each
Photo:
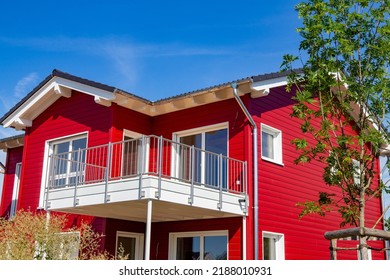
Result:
40,236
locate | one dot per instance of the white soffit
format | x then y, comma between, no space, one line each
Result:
23,116
263,87
13,142
102,94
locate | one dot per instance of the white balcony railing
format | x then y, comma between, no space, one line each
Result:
136,159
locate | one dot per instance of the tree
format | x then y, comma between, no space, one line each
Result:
343,99
37,236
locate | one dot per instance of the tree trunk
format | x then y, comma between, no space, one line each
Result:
363,250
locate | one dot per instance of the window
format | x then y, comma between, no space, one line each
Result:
271,144
15,191
211,245
129,245
203,165
68,156
273,246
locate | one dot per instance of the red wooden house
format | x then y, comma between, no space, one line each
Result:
208,174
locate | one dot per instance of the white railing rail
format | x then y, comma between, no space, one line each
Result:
148,155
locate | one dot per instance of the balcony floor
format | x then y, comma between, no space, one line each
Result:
162,211
125,203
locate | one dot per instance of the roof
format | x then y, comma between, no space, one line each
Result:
60,83
58,73
274,75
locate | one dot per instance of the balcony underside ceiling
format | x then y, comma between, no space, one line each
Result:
137,211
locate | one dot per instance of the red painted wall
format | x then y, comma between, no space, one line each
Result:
65,117
281,187
131,120
14,156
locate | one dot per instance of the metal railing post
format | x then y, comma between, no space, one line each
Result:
142,167
245,186
192,170
107,173
75,202
51,178
159,164
220,181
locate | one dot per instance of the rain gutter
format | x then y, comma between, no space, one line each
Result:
255,170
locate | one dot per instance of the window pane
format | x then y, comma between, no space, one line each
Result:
188,248
68,164
185,157
126,247
216,142
77,149
61,148
269,248
267,145
79,144
192,140
215,248
59,183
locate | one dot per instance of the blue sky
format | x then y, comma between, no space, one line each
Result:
154,49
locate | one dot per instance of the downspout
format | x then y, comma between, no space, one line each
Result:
255,169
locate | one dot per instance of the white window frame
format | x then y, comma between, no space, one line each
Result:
173,236
276,145
199,130
15,190
279,243
139,243
49,150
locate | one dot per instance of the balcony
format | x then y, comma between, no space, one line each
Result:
116,180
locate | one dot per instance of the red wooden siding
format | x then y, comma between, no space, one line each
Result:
14,156
131,120
65,117
126,119
282,187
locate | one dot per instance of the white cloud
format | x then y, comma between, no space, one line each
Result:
122,58
25,84
98,46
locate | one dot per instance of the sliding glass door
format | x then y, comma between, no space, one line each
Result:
205,163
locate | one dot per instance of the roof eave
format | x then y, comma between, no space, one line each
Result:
12,142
